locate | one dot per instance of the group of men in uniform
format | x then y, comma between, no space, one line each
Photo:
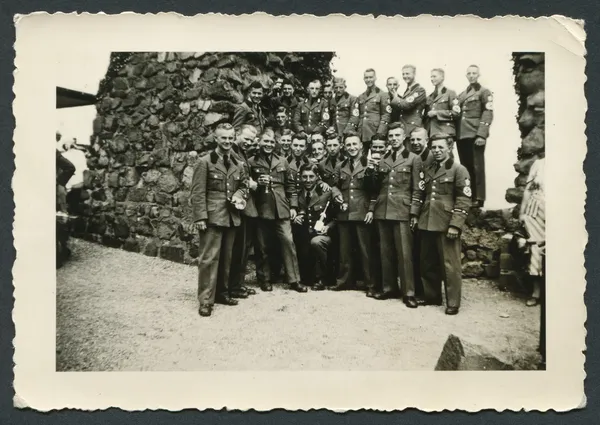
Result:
337,190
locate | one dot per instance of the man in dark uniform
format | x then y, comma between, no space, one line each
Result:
281,122
373,110
313,112
250,111
285,97
297,158
442,108
217,192
446,194
245,237
396,210
419,145
392,87
410,105
276,201
330,162
345,112
312,228
353,193
476,105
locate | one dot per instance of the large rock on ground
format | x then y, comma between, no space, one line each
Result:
459,354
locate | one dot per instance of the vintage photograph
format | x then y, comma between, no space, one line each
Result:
304,221
275,210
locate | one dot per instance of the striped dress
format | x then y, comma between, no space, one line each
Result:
533,215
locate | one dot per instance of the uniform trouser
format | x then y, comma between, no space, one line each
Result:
416,252
312,254
244,239
283,230
214,262
473,158
355,236
395,244
440,260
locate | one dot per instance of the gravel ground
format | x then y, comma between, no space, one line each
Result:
122,311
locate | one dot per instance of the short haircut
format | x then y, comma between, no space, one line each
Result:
314,81
442,136
351,134
255,85
318,130
339,80
440,70
267,131
224,126
370,70
332,135
287,132
328,83
298,136
395,125
473,66
248,127
391,78
309,167
409,66
286,81
281,109
378,136
418,130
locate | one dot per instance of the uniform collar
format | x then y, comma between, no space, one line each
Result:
475,86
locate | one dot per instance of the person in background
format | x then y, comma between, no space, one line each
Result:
297,158
284,143
328,90
396,211
372,109
276,201
312,228
313,112
445,192
409,107
345,111
392,85
354,219
476,116
218,191
318,152
442,107
250,111
419,145
282,121
334,157
284,98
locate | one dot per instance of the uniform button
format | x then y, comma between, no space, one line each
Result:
352,197
391,186
433,193
391,178
351,190
433,199
433,186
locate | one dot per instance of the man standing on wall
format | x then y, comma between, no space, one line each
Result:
250,111
373,110
476,104
445,190
276,201
442,107
410,105
217,194
313,112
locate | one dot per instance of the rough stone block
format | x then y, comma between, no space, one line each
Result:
472,269
151,249
172,253
458,354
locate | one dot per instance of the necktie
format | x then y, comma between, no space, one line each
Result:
394,152
226,161
437,166
435,93
333,161
307,200
351,165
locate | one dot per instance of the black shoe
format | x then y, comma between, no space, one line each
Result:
298,287
434,303
385,295
451,311
248,291
225,300
371,293
318,286
410,302
267,287
205,310
238,293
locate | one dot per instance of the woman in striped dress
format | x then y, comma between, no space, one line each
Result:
533,216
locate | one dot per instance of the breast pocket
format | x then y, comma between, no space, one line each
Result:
215,182
446,185
404,174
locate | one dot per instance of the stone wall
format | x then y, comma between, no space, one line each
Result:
529,84
156,114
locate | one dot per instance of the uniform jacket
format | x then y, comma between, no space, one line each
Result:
397,181
476,104
447,109
426,158
318,202
409,107
309,115
281,195
345,114
246,113
373,111
356,190
289,103
446,196
213,186
327,168
250,210
295,168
